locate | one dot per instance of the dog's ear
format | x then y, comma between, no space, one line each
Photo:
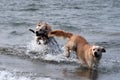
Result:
45,25
39,23
103,49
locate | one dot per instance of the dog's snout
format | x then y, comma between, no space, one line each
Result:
96,54
39,33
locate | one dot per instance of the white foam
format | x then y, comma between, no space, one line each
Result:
33,46
41,78
49,52
6,75
60,58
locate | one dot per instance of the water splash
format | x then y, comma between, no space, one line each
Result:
7,75
49,52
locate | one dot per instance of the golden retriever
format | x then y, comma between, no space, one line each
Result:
87,53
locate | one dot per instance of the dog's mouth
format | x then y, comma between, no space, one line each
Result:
42,33
97,55
39,33
42,36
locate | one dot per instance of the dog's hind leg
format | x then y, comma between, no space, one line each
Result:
70,46
68,50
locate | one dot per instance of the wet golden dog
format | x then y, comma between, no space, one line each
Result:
88,54
41,32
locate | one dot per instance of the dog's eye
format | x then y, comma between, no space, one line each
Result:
93,49
98,49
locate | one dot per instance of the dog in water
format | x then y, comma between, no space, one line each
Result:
41,32
87,53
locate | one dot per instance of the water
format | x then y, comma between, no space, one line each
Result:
97,20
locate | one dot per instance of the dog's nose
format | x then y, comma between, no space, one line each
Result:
96,54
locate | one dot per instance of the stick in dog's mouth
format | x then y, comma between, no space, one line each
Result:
32,30
39,33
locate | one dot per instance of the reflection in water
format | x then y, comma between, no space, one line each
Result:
87,73
82,73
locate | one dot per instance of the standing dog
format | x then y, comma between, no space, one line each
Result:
88,54
41,32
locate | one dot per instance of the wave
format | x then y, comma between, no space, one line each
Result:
109,66
7,75
49,53
109,44
54,54
16,33
29,9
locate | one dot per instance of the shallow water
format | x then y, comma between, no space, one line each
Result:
97,20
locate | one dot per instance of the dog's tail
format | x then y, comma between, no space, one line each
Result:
60,33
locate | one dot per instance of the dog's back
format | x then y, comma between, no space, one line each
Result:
60,33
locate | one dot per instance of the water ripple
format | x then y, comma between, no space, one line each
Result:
110,44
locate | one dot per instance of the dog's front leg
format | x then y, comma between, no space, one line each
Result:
90,64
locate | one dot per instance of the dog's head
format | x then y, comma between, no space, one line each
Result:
42,29
97,51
